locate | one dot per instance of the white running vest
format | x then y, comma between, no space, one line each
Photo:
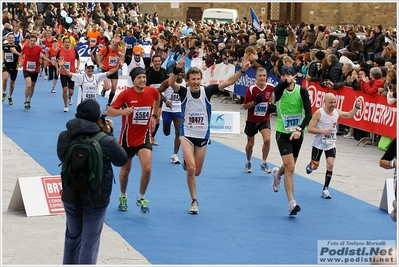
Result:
174,98
326,121
196,116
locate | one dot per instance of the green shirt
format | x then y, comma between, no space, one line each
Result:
290,111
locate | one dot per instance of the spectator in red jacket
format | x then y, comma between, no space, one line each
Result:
370,86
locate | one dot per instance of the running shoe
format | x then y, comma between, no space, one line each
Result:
66,109
348,136
265,168
122,203
294,208
142,204
53,91
41,74
46,78
248,167
276,179
325,194
70,101
10,102
154,142
103,92
26,105
4,96
194,207
309,169
174,159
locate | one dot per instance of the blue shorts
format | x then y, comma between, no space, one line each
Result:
169,116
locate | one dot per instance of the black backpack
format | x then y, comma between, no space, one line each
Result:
82,169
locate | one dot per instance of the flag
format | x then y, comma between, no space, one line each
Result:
255,21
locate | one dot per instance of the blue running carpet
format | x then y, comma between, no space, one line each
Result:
241,220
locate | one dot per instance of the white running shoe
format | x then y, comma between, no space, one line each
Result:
348,136
194,207
248,167
265,168
325,194
174,159
70,101
276,179
66,109
53,91
294,208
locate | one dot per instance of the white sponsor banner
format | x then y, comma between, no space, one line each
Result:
356,252
219,73
225,122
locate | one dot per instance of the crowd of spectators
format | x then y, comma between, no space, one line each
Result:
359,58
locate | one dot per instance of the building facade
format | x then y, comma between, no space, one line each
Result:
329,14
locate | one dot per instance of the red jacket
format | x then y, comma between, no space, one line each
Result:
371,87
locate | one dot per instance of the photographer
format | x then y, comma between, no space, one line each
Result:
88,81
209,58
314,68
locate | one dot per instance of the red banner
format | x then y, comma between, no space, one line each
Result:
375,116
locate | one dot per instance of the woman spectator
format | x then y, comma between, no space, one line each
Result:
299,32
155,19
392,56
367,45
354,43
209,58
291,40
370,86
51,15
321,42
391,74
310,35
391,96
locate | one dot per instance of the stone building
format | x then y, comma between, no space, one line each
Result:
329,14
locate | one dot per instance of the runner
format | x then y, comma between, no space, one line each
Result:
30,61
324,127
293,115
51,62
11,54
92,37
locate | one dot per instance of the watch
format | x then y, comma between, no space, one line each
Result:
155,116
299,129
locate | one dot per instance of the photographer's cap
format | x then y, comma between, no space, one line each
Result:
89,110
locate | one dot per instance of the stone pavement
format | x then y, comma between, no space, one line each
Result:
39,240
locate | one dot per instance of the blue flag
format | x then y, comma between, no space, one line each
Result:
255,21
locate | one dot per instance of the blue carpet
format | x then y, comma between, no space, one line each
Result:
241,220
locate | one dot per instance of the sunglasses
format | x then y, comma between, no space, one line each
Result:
137,55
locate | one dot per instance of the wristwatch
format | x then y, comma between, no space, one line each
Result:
299,129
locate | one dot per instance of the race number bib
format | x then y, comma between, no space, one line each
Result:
93,41
67,65
113,61
129,46
196,120
260,109
53,59
30,66
332,138
175,99
90,92
8,57
291,122
141,115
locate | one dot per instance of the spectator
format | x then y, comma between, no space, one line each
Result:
354,44
314,67
334,69
290,42
370,86
367,45
51,16
299,32
378,62
321,40
281,33
310,35
346,77
379,39
155,19
392,56
98,15
346,38
391,96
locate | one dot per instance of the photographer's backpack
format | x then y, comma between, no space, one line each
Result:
82,169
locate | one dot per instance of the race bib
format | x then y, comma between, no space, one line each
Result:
129,46
90,92
113,61
196,120
261,109
30,66
291,122
67,65
175,99
93,40
100,46
9,57
53,59
332,138
141,115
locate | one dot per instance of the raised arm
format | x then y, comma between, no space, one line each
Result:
245,66
176,70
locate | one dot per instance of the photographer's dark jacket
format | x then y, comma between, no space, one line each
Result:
113,153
